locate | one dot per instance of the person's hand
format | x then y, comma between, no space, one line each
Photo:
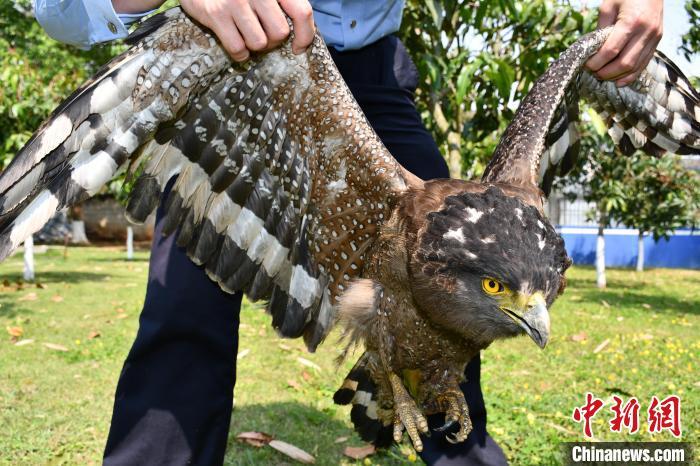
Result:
245,26
638,25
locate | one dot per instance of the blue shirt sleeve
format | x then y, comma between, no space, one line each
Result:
344,24
353,24
83,23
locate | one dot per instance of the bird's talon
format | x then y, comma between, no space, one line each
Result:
407,415
449,423
456,412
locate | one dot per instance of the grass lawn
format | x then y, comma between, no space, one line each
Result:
55,401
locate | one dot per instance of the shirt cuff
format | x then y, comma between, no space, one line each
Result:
128,18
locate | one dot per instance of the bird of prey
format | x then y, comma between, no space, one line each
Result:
285,192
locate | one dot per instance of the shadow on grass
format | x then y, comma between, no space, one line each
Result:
53,277
118,259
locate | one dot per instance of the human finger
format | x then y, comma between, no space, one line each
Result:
302,18
612,47
646,57
232,41
249,27
273,21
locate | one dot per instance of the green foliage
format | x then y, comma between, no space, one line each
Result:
36,74
478,60
56,406
691,40
661,195
655,195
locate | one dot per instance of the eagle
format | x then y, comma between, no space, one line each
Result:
285,192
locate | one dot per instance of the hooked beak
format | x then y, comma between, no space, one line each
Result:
535,319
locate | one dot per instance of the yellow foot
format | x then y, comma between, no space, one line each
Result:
456,412
407,414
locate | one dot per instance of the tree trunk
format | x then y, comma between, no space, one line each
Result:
129,243
600,259
640,252
29,259
78,235
454,160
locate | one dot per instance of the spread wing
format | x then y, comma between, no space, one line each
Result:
281,185
658,113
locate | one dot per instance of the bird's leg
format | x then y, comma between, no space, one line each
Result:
407,414
452,402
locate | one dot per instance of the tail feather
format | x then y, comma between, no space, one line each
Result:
359,390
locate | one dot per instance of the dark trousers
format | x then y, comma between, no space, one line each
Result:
175,393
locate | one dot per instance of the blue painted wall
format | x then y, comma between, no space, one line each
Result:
682,250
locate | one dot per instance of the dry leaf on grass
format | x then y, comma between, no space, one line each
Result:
94,334
583,336
308,363
15,332
294,384
26,341
56,347
646,306
559,428
292,451
600,347
243,354
29,297
56,298
256,439
260,439
604,303
122,316
285,347
341,439
306,376
359,453
41,286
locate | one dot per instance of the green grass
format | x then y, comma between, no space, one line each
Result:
55,405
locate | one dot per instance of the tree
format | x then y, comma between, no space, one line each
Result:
661,196
691,40
654,195
477,61
36,73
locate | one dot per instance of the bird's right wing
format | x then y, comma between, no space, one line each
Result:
281,185
658,113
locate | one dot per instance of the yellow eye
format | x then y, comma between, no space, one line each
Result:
492,286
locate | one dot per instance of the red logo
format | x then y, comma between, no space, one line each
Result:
586,412
665,415
626,416
661,415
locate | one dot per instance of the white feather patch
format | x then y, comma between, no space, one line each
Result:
303,287
665,143
455,234
222,212
53,136
246,228
473,215
33,217
91,172
22,188
680,128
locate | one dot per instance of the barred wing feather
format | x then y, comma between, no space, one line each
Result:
658,113
281,185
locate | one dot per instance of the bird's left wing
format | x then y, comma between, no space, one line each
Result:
281,185
658,113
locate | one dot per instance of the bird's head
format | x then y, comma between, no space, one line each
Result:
488,266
